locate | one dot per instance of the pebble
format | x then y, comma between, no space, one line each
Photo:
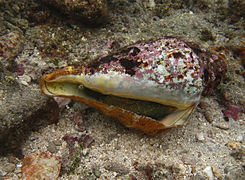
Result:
117,167
7,168
11,44
209,172
222,125
208,116
25,80
178,168
237,155
234,145
57,142
85,151
217,172
87,141
189,159
52,147
239,138
62,102
1,93
200,137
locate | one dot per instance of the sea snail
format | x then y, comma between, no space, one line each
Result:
150,86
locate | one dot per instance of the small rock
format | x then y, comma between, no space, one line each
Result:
85,151
211,111
41,166
87,140
117,167
200,137
7,168
57,142
25,80
217,172
91,12
234,145
239,138
70,140
11,44
237,155
189,159
52,147
209,172
78,120
222,125
62,102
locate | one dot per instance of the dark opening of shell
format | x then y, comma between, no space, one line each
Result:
144,108
153,110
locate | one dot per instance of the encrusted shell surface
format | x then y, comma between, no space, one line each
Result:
164,71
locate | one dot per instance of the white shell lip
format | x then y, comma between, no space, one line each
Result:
129,87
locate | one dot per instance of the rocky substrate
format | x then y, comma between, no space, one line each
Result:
75,141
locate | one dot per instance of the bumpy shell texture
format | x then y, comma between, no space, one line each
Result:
166,71
150,86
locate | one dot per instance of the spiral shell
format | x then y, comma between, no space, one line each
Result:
149,86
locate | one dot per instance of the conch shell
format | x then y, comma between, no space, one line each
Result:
150,86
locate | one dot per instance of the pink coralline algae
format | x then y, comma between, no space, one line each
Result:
85,140
233,111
